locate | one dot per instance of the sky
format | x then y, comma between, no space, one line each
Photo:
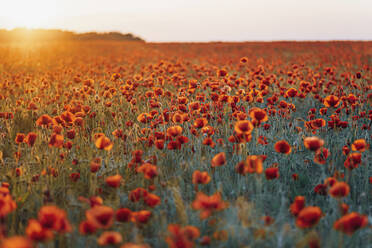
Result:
198,20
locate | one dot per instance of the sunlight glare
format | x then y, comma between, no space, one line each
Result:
29,14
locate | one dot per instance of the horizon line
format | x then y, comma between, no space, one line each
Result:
190,41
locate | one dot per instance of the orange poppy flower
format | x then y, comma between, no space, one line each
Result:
331,101
244,60
297,205
209,142
123,214
360,145
313,143
243,127
152,200
110,238
200,122
199,177
136,194
222,73
35,231
95,164
141,217
57,129
114,181
52,217
177,118
353,160
258,115
102,142
219,159
254,164
208,204
7,205
144,118
317,123
308,217
272,173
159,143
148,170
291,92
19,138
100,216
30,138
174,131
56,140
282,146
241,168
44,120
339,189
350,223
321,155
182,236
87,227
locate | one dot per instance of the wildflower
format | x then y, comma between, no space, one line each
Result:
200,122
353,160
123,214
331,101
308,217
258,115
30,138
350,223
272,173
174,131
291,92
148,170
141,217
297,205
208,204
44,120
360,145
219,159
52,217
110,238
19,138
282,146
87,227
152,200
243,127
100,216
95,164
182,237
313,143
102,142
35,231
199,177
339,189
114,181
7,205
254,164
56,140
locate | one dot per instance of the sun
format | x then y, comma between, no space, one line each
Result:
28,13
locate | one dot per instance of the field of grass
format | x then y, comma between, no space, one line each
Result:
129,144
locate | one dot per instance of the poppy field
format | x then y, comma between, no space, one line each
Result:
137,145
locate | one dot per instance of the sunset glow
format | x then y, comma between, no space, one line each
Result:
195,20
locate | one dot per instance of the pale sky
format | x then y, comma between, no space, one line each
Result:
198,20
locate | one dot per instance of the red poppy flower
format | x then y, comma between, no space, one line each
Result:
282,146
